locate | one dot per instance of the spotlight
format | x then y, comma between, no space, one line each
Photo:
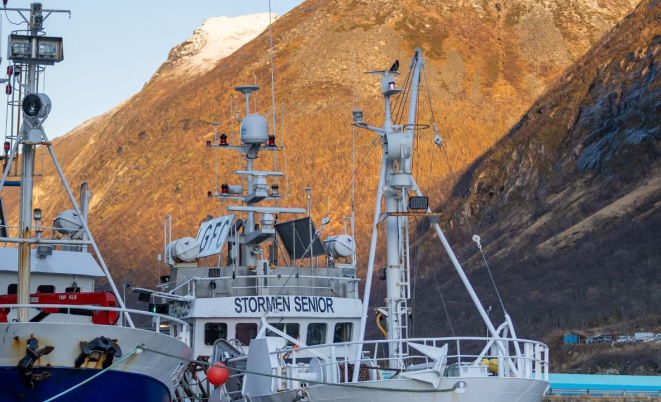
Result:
37,105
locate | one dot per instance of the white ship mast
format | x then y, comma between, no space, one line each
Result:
34,51
396,183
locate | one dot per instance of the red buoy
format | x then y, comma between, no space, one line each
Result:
218,374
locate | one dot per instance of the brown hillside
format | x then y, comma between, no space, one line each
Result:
486,63
568,203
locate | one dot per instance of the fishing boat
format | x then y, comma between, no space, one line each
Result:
257,263
60,337
498,367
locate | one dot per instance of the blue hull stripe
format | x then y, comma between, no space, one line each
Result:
111,386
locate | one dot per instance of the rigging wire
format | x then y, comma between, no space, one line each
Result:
353,174
443,302
472,227
8,19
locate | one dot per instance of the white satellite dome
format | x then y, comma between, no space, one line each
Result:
254,129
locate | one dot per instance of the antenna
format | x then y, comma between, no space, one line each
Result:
284,149
353,158
275,162
255,75
215,141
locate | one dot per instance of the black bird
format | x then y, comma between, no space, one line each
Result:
395,67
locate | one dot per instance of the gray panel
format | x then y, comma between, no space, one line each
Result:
295,236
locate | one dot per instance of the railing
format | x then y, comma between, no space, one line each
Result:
305,289
532,363
159,317
602,392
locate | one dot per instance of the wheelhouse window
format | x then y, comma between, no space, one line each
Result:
245,332
45,289
214,331
343,331
291,329
12,289
316,334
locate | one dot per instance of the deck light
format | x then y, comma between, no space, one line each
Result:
274,190
223,140
208,143
417,203
224,188
7,146
209,194
49,49
10,70
8,89
271,142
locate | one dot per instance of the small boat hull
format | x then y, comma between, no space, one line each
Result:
143,376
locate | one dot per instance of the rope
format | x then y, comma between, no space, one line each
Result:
94,376
343,385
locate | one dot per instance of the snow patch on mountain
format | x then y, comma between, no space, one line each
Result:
216,38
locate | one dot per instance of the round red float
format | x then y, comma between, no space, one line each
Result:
218,374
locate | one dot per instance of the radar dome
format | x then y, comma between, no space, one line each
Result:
254,129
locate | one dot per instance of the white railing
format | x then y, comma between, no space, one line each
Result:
186,332
531,363
307,287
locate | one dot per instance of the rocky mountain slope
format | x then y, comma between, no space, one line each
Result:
568,203
487,62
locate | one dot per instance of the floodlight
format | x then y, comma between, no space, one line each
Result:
418,203
47,49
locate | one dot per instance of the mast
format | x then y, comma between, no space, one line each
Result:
27,172
395,184
32,52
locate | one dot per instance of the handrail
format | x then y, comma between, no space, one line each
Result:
602,392
96,308
446,339
533,364
230,278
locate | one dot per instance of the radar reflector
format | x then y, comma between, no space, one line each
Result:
296,235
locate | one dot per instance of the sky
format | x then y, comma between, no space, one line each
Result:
112,48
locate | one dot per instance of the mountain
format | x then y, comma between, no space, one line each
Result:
486,63
216,39
568,204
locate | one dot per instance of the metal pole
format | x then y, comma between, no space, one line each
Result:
370,266
413,103
25,217
87,230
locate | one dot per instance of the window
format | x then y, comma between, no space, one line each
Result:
12,289
293,330
214,331
45,289
72,289
245,332
342,332
316,334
